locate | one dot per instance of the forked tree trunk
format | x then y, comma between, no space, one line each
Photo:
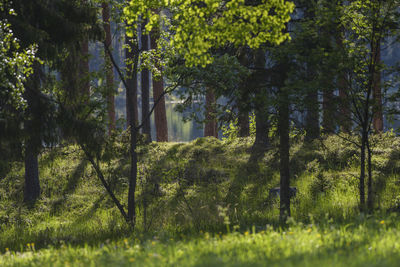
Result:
109,69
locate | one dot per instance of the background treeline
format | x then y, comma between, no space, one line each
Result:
269,69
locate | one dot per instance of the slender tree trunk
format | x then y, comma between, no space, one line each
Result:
362,170
132,53
283,128
210,127
370,196
109,69
160,114
377,92
145,86
133,142
131,80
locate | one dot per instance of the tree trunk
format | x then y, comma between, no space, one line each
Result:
84,70
131,80
328,113
133,142
377,92
160,114
145,86
243,123
312,116
370,196
210,127
109,69
362,170
283,128
344,120
32,185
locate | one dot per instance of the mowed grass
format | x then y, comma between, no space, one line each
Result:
370,243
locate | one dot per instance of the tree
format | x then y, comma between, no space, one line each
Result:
145,86
16,67
109,68
368,23
35,24
194,35
160,114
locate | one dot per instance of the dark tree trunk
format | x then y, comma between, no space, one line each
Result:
32,185
210,127
370,196
145,86
362,170
312,116
377,92
328,113
283,128
109,69
131,80
33,143
84,69
262,129
160,114
132,106
243,123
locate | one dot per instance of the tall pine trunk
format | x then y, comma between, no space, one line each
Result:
145,86
109,69
32,142
210,127
160,114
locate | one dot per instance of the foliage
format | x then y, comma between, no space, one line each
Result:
199,26
15,67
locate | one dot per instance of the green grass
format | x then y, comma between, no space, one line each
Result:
370,243
203,187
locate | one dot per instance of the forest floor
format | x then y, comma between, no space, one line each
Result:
205,203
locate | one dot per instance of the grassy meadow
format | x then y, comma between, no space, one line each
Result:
205,203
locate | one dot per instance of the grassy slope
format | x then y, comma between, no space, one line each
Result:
203,187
